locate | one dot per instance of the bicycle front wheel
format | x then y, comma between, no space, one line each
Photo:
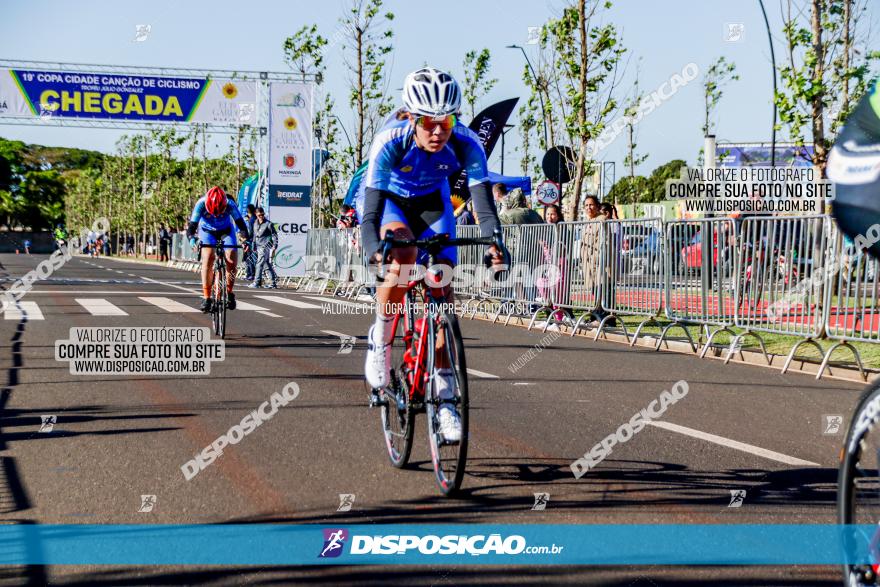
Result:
858,497
449,458
219,303
398,412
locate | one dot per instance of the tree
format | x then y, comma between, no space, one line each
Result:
528,122
578,72
828,69
716,77
629,190
632,159
476,82
304,52
655,190
367,46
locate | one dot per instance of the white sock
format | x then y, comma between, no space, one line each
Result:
444,382
382,329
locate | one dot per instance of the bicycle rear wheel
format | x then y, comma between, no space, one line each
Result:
858,497
397,410
449,459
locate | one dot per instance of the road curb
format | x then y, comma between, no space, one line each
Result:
746,357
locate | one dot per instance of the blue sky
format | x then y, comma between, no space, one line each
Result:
226,34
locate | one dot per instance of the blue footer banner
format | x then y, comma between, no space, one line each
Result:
471,544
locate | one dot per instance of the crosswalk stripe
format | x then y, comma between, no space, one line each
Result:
168,304
100,307
246,306
289,302
270,314
19,310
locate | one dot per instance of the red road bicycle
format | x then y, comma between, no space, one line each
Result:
425,321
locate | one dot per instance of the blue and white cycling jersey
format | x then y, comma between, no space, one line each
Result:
398,166
409,185
221,222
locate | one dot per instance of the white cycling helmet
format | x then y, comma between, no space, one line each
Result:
431,92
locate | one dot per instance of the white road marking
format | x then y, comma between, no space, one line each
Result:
170,285
339,334
289,302
522,383
240,305
270,314
100,307
24,309
734,444
169,305
340,302
102,292
482,374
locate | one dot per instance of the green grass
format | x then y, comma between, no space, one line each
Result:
778,344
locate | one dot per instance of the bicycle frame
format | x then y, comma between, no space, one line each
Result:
418,367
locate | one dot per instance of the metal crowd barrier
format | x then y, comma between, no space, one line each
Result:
780,275
778,258
334,255
699,267
581,255
634,250
852,301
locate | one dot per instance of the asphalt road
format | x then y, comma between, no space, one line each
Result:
117,438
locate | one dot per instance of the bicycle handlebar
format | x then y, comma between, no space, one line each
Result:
435,243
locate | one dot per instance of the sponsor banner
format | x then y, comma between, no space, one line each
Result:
488,125
759,155
422,544
290,195
290,134
248,193
292,224
120,96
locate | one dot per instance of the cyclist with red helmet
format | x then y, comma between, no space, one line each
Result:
215,218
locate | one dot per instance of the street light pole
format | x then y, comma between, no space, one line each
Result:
773,62
540,95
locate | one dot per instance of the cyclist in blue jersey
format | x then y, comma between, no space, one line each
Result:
215,217
407,192
854,166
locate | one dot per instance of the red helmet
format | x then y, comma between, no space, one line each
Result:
215,201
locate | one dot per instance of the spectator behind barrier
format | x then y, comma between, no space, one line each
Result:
266,243
466,218
552,293
250,255
499,191
516,210
591,256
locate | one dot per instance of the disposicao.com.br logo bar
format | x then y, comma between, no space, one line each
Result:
455,544
430,544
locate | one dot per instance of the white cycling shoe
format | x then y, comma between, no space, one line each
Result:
450,423
378,358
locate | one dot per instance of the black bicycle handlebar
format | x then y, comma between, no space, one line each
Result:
437,242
